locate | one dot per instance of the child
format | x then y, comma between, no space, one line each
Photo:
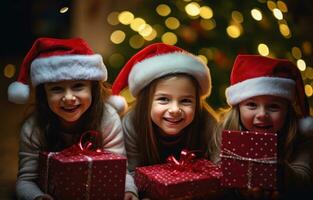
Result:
268,95
71,98
170,113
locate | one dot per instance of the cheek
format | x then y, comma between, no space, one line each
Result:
279,120
155,112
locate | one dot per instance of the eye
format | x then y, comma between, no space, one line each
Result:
251,105
274,107
186,101
56,89
78,86
163,99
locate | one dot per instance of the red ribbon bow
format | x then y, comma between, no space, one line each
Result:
88,144
185,160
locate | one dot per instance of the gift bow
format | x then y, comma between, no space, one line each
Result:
89,144
86,148
185,162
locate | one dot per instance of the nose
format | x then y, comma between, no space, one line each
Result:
69,97
174,108
262,113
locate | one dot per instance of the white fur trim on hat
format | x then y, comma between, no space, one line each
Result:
281,87
18,92
149,69
68,67
118,102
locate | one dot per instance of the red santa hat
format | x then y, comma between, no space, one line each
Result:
53,60
254,75
158,60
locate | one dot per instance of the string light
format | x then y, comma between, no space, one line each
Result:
64,10
256,14
263,49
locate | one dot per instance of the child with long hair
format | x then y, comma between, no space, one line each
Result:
170,113
268,95
71,97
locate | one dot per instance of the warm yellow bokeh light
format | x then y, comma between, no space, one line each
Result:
308,72
284,30
207,24
296,52
113,18
307,47
256,14
263,49
137,24
163,10
271,5
147,30
203,59
301,65
117,37
126,17
206,12
277,14
9,70
237,16
308,90
169,38
64,10
136,41
192,9
152,35
172,23
282,6
233,31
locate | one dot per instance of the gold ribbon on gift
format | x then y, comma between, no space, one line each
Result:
226,153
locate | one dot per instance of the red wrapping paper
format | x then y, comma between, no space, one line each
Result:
249,159
82,174
164,181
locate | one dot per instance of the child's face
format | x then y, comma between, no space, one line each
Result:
69,99
263,113
173,104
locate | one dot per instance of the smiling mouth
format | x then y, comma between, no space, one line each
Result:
264,127
174,121
70,109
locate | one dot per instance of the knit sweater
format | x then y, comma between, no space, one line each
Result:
30,145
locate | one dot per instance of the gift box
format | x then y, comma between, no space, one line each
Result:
249,159
82,174
166,181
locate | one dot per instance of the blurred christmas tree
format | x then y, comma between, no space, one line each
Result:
217,31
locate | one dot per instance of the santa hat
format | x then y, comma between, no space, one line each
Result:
53,60
158,60
254,75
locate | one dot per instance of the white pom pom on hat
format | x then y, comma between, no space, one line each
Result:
52,60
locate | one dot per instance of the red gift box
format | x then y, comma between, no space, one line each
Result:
166,181
249,159
82,174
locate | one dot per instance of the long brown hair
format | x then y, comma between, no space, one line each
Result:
48,122
200,133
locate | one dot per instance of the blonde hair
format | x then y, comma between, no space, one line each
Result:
197,139
230,120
